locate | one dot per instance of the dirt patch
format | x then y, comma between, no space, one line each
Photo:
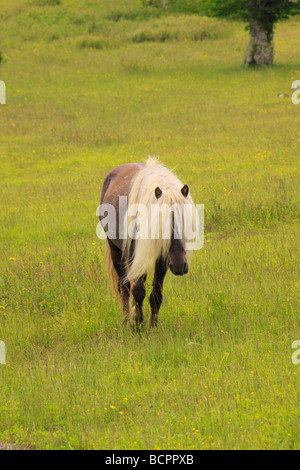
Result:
9,446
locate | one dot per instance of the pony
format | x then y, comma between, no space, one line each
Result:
154,240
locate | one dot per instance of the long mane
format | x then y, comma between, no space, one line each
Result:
148,250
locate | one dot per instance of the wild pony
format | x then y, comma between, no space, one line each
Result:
153,239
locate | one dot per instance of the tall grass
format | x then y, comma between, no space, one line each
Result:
217,373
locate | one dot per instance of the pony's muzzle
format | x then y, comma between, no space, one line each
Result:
179,270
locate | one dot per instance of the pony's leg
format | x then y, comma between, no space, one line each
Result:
156,294
123,287
125,295
138,292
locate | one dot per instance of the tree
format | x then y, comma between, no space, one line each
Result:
260,16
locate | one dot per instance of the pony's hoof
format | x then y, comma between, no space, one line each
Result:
136,318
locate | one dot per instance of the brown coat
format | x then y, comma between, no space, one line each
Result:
118,183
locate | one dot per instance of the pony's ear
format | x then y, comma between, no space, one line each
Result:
158,192
185,190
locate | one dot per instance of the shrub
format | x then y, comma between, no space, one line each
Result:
44,3
137,14
150,36
93,43
2,60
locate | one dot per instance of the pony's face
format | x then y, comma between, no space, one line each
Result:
177,258
177,255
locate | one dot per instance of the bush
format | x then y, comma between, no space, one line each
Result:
185,28
44,3
137,14
2,60
94,43
180,6
150,36
152,3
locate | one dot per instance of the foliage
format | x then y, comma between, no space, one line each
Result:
184,6
44,3
134,14
2,59
152,3
265,12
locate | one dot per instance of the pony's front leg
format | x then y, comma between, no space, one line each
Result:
124,290
138,292
123,287
156,296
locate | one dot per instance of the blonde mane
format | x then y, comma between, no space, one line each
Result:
147,251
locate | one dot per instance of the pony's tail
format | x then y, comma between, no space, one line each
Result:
113,277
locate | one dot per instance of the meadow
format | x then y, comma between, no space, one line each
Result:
94,84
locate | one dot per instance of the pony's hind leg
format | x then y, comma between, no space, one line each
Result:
138,292
156,294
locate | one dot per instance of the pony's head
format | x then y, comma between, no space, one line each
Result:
177,255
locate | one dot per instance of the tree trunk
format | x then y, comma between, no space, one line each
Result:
260,49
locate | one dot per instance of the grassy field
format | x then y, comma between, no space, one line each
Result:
94,84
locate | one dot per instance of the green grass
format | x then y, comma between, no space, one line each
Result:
84,95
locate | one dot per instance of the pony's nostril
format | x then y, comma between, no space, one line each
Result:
185,268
